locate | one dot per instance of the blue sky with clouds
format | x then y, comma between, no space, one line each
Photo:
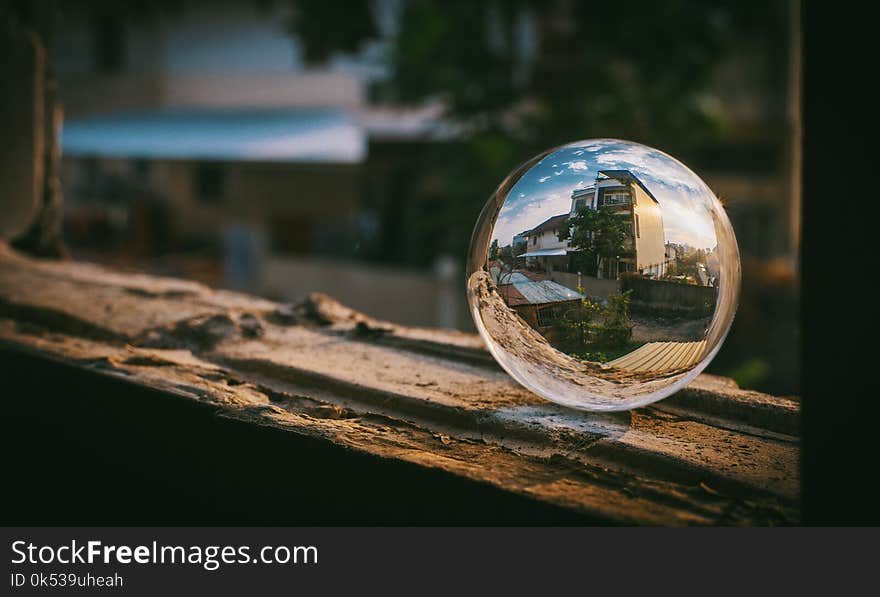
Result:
686,203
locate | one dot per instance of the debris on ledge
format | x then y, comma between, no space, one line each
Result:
711,454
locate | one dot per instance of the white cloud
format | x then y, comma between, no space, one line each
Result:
530,215
648,163
685,201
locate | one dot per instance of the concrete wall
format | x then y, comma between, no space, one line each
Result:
655,294
276,198
92,94
650,243
595,288
548,239
204,54
407,297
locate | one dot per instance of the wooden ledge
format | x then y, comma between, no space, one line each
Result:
711,454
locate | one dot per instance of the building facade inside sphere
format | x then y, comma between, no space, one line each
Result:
645,250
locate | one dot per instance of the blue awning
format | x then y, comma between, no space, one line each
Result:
279,135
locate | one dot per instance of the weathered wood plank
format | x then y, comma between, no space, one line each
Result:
710,454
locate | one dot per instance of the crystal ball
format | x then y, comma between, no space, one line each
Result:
603,275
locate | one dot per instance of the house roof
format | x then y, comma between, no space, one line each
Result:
629,177
246,134
581,192
524,291
549,224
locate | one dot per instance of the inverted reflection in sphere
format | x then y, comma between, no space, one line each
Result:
603,274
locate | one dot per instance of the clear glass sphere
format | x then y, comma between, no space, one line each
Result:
603,275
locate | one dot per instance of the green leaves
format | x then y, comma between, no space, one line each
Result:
520,76
592,331
326,28
600,232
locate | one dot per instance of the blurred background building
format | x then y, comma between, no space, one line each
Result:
288,147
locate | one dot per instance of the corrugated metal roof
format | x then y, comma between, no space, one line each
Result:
511,295
283,135
543,291
518,277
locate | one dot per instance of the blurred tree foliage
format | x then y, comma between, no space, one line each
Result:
520,76
327,28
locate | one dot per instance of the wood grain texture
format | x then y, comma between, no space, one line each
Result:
711,454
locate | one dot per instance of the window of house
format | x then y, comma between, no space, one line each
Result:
548,316
616,198
210,182
534,240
